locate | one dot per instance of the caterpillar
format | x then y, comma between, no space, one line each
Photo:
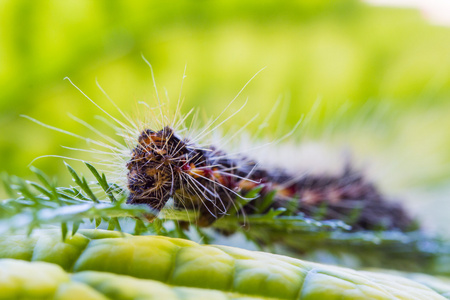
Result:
162,164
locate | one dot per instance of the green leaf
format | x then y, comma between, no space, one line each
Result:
64,230
42,177
51,189
273,213
82,183
75,227
139,227
266,202
102,182
254,193
6,180
41,189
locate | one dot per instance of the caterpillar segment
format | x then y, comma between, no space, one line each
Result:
164,165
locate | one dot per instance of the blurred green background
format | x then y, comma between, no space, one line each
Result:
381,74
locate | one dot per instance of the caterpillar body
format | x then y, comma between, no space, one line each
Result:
164,165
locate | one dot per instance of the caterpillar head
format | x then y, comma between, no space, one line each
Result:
154,166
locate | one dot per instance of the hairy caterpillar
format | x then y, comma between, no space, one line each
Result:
162,164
